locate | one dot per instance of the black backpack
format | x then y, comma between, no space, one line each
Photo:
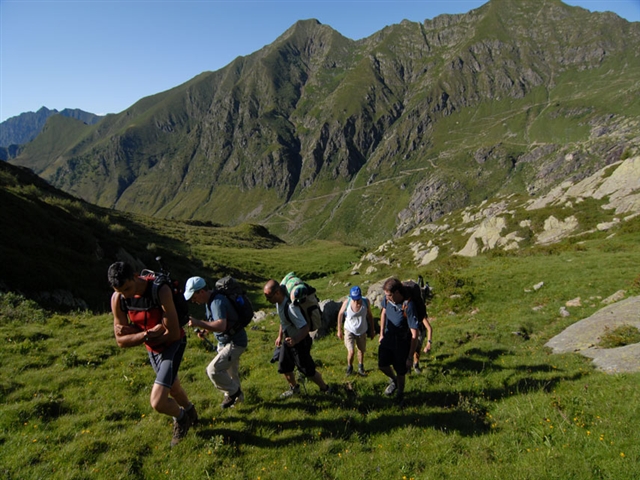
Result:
427,290
231,289
414,291
163,278
158,279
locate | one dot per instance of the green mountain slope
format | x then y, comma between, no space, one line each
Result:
56,248
319,136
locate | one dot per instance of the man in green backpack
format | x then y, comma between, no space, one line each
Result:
293,340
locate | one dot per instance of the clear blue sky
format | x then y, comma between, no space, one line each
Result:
104,55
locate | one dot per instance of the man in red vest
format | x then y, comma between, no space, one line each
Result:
140,317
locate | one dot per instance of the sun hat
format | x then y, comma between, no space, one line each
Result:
355,293
193,285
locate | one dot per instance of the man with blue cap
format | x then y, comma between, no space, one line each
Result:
224,369
358,323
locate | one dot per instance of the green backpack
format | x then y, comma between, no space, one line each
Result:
304,296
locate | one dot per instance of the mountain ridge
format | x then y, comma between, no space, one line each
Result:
317,135
25,127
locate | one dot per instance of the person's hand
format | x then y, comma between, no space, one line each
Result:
278,341
339,335
289,342
427,348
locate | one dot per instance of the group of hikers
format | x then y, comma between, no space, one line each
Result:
144,312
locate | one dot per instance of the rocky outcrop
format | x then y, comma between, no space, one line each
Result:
583,337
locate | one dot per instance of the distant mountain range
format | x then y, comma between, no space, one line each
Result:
320,136
25,127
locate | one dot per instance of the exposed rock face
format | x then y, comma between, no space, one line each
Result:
583,337
555,230
488,234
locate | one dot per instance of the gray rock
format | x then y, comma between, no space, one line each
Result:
584,336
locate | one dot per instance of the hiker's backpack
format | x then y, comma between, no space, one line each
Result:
158,279
427,290
304,296
419,306
230,288
162,278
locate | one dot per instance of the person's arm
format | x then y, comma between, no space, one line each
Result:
299,322
427,325
169,330
302,333
218,322
371,329
278,341
383,319
412,348
340,314
127,335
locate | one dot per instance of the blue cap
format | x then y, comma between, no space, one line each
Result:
355,293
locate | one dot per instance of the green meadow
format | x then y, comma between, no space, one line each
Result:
492,401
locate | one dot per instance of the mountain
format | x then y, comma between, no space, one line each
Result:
319,136
25,127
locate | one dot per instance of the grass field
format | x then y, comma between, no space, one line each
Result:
490,403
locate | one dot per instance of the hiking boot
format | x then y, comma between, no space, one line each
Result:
349,369
400,401
291,392
193,414
180,428
361,371
328,391
416,368
390,388
230,400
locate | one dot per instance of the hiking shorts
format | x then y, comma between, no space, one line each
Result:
167,362
394,352
351,341
297,356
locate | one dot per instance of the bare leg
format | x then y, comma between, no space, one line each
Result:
162,403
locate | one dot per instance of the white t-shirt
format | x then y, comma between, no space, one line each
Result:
356,322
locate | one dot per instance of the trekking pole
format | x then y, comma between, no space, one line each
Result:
207,343
162,269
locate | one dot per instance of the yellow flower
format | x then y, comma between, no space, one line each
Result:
622,454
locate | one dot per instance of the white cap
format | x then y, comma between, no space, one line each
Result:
193,285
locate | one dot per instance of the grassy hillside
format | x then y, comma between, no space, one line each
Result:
492,402
58,248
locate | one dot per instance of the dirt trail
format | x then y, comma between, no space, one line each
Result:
583,336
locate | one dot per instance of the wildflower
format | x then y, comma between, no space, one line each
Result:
622,454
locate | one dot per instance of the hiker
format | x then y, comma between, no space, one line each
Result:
398,336
358,323
139,319
293,340
424,330
221,315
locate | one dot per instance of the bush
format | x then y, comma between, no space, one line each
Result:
16,308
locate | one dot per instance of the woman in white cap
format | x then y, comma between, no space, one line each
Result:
358,322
